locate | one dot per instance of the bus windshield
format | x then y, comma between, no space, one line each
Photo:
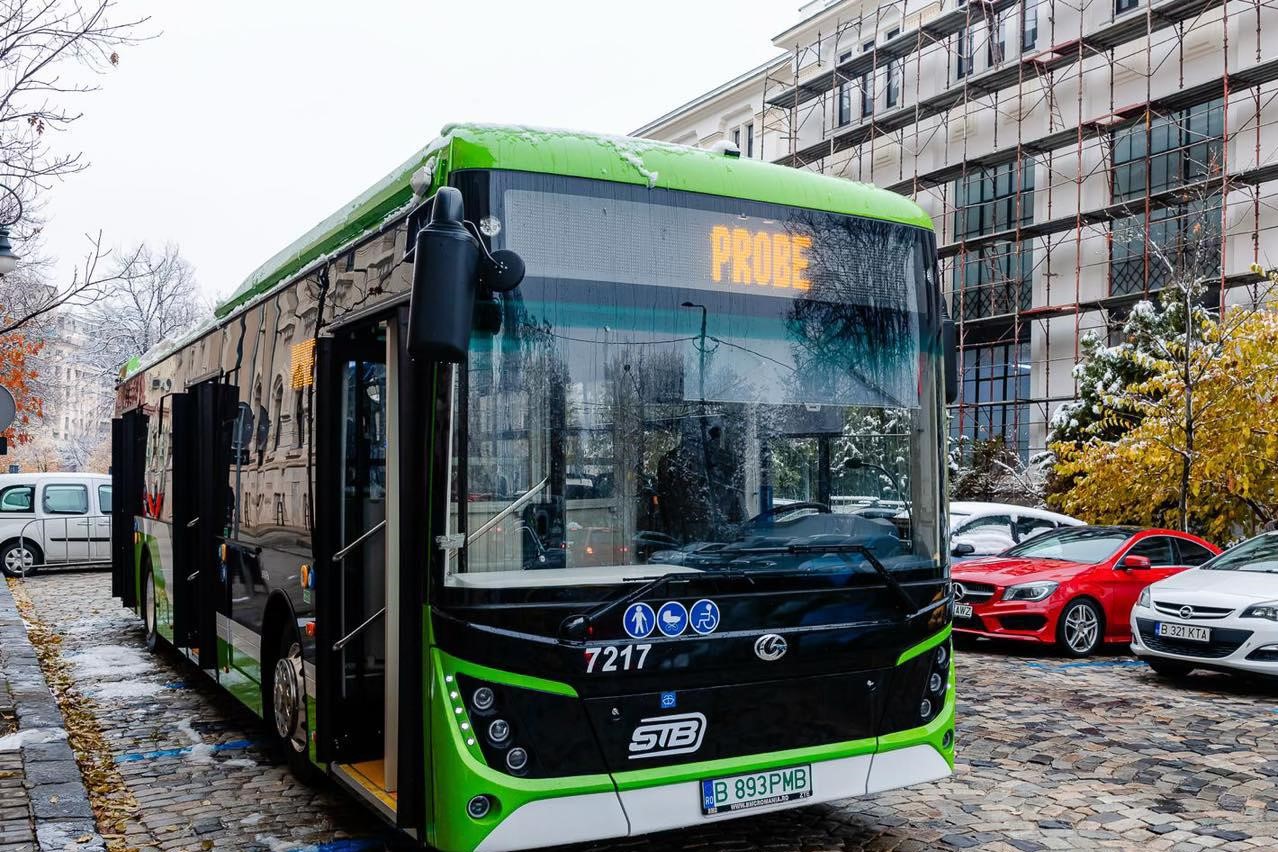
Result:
694,383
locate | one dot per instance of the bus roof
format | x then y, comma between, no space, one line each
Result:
565,152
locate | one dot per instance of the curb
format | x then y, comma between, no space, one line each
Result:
59,804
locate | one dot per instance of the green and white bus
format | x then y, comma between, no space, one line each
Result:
564,487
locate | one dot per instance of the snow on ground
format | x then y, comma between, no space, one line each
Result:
201,752
109,662
16,740
118,689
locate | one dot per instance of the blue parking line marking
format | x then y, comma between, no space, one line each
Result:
177,684
1087,664
354,844
134,757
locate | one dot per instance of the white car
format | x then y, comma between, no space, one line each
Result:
1220,615
53,519
984,529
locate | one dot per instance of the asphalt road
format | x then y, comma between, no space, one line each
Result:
1053,754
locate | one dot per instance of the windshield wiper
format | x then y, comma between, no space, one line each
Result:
517,504
577,626
903,597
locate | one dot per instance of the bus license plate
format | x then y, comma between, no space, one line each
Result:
962,610
769,787
1183,631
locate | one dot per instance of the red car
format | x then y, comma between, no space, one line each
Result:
1072,587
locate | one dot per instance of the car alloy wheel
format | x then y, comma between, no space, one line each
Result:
1081,628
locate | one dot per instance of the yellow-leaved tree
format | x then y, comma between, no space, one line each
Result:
1202,454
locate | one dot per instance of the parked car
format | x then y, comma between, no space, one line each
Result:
53,518
984,529
1072,587
1221,615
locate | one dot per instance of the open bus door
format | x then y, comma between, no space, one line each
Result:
200,509
128,452
368,613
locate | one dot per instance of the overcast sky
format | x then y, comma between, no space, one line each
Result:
246,122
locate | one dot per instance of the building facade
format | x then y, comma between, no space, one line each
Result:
77,393
1075,155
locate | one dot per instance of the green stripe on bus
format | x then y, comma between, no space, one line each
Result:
926,645
453,665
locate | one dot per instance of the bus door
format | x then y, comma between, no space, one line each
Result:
128,453
201,495
357,605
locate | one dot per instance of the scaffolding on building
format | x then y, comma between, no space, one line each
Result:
839,107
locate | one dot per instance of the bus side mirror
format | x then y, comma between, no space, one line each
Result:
445,275
949,343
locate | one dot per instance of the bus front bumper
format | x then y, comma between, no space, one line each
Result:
642,810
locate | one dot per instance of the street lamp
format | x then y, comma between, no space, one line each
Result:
701,345
9,260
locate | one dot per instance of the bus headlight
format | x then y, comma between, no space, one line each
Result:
517,760
935,682
499,732
925,708
483,699
479,807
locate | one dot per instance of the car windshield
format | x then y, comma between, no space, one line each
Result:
1089,545
957,519
630,402
1259,555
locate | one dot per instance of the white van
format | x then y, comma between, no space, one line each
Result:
54,519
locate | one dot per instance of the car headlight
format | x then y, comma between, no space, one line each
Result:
1144,598
1030,591
1265,610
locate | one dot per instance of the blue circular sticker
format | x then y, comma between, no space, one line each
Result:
672,618
639,620
704,616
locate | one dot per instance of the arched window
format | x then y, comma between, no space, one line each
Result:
278,407
299,418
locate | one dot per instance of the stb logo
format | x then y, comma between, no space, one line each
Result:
661,736
770,646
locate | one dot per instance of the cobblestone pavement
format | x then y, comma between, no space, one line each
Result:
1054,754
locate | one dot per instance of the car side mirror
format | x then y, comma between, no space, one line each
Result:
963,548
1138,563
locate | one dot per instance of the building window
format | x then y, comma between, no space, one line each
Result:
996,390
1172,151
749,136
1121,6
996,43
997,279
845,96
995,199
1029,26
736,138
893,75
962,53
867,84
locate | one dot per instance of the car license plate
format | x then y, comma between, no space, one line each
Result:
769,787
962,610
1183,631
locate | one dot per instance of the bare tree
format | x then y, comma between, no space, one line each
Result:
50,51
154,297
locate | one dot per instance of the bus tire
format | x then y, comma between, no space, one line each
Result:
150,613
20,558
284,703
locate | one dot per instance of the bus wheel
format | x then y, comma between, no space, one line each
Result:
18,559
149,616
284,696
